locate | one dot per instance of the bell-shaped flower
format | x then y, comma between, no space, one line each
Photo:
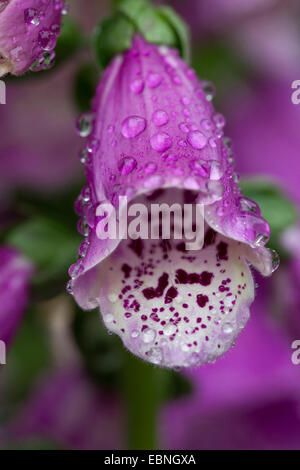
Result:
153,137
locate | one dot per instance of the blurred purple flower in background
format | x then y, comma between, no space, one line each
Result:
15,274
264,124
68,409
41,119
247,400
28,33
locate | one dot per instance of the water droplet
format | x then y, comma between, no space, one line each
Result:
85,124
185,100
154,181
215,189
55,28
247,205
209,90
275,260
197,140
200,167
148,335
66,8
108,318
134,334
31,17
127,165
137,86
83,248
170,329
3,4
150,168
206,124
227,329
191,183
153,80
69,287
155,355
219,120
160,118
161,141
177,80
75,269
93,145
133,126
47,40
183,127
216,170
112,297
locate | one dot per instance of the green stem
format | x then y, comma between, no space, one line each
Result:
144,386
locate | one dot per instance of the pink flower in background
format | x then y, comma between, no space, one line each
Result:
67,408
210,15
28,30
15,275
37,151
154,136
264,124
247,400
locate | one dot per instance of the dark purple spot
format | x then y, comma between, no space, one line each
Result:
182,277
126,270
152,292
222,253
202,300
170,295
209,238
181,247
137,247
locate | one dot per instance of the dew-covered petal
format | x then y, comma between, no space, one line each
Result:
28,32
156,130
174,307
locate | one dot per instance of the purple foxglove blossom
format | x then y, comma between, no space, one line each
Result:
15,273
28,30
246,401
154,136
69,409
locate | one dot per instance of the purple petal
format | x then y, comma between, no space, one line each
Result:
28,28
15,274
164,134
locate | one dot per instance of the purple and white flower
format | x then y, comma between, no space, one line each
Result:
154,136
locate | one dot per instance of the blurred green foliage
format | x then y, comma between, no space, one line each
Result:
279,211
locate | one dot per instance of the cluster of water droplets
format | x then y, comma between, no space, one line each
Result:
47,37
197,155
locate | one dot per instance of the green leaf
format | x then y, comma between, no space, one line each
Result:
157,25
69,40
48,243
113,36
149,22
180,28
103,354
27,358
85,84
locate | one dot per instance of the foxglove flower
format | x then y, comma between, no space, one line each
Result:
15,274
28,33
154,136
